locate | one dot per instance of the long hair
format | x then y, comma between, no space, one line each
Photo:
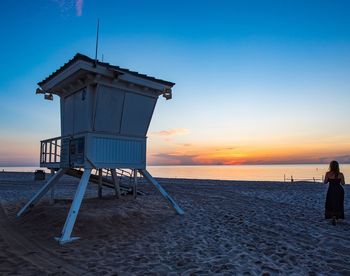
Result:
334,167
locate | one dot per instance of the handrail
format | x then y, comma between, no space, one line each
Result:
50,156
55,138
122,175
50,151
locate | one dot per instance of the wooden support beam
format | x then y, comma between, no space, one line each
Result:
74,209
116,183
134,190
100,183
153,181
52,194
51,182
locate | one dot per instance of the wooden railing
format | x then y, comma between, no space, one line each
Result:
50,152
123,175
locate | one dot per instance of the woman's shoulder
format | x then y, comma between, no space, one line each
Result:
333,175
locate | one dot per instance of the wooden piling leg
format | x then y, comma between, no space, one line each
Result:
74,209
135,184
116,183
52,194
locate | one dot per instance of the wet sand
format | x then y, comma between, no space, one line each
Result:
230,227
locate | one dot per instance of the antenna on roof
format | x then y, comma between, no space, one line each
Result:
98,27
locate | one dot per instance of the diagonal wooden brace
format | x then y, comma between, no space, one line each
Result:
153,181
49,184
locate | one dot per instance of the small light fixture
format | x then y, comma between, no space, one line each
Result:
48,97
167,93
39,91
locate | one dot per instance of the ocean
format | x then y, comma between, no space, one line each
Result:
299,172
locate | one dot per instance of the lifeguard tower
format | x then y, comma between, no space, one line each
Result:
105,114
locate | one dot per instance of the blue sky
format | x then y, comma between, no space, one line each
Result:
257,81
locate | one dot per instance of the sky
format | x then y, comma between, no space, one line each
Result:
257,82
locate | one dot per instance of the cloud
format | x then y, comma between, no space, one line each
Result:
172,159
225,149
185,145
67,6
171,132
79,7
345,159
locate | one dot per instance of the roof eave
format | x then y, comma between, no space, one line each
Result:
91,64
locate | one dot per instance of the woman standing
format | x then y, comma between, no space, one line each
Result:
335,194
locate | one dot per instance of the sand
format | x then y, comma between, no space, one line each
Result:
230,227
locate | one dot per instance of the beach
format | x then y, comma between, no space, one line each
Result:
229,227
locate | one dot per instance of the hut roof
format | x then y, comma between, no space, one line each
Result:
85,58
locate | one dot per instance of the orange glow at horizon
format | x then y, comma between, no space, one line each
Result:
264,153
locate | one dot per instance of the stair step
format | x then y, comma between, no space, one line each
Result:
105,181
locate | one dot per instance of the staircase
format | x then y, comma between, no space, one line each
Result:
124,177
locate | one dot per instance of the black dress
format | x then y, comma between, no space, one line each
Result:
335,200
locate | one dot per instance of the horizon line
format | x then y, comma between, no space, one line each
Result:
185,165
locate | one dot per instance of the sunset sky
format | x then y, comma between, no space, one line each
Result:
257,82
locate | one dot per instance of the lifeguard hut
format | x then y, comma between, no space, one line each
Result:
105,114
